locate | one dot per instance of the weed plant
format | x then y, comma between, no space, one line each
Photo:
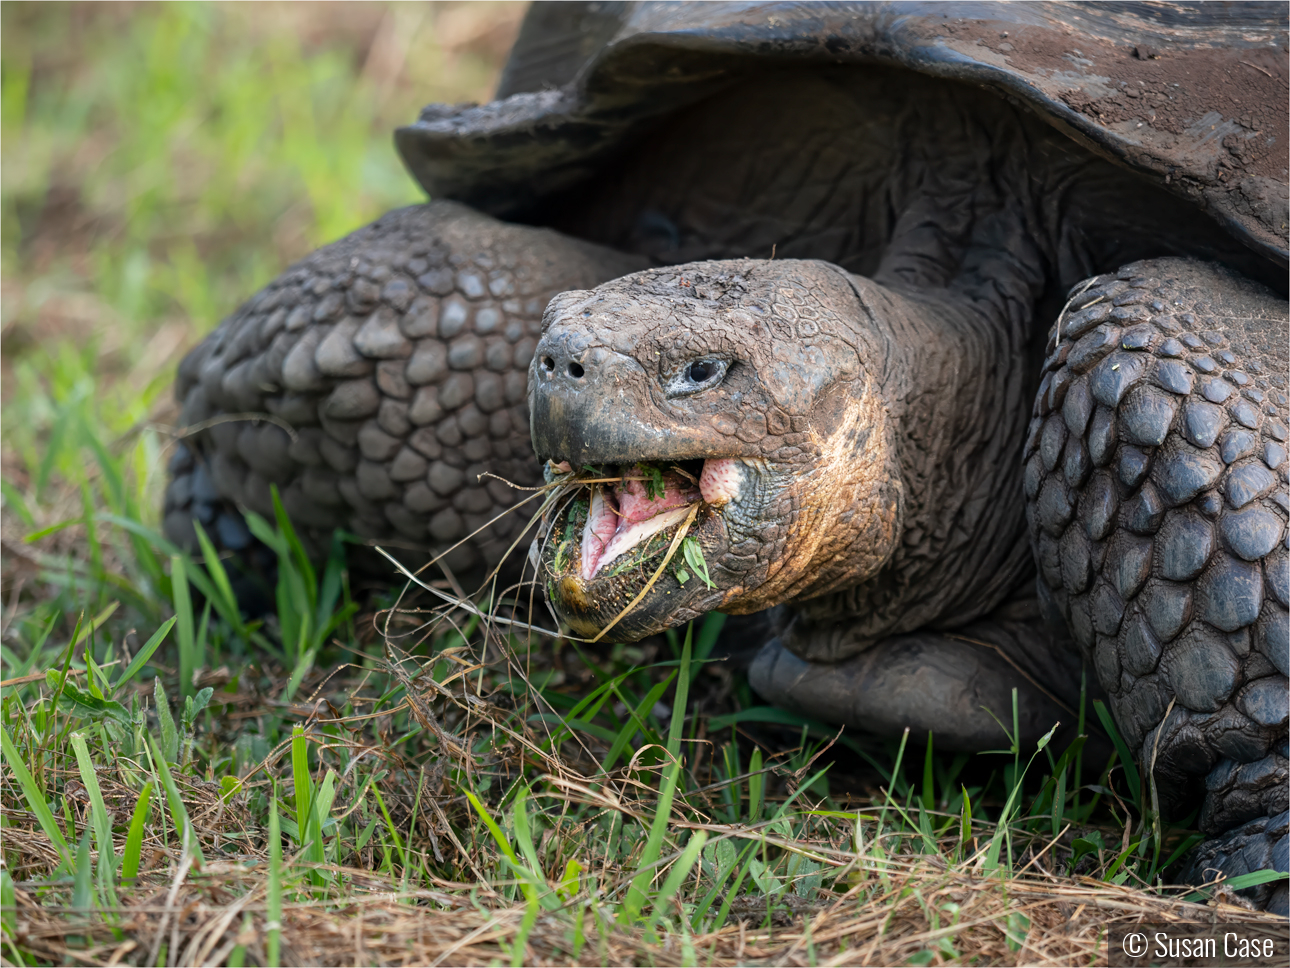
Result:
401,775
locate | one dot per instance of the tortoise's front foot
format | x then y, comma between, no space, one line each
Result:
1260,844
956,686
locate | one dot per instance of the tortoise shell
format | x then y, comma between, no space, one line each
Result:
1190,95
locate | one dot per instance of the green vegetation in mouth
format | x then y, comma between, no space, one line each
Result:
561,556
565,536
693,552
578,512
654,486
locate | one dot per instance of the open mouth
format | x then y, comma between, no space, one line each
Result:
626,515
646,502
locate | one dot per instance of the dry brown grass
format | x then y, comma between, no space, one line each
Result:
221,905
892,905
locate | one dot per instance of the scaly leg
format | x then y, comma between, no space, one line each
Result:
398,358
1156,493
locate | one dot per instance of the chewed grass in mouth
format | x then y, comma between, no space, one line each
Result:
628,516
625,546
614,523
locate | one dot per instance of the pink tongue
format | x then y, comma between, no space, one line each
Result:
634,503
613,530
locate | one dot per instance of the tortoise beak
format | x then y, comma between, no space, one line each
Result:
576,403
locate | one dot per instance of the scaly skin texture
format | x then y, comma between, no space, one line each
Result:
398,356
946,682
1156,492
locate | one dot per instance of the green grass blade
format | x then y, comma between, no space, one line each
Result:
303,782
302,656
897,778
531,882
635,899
1126,758
266,533
1119,861
929,780
13,499
178,812
273,893
35,536
391,829
189,661
676,876
519,946
144,654
134,838
1241,881
1255,878
333,585
8,905
1002,829
298,554
326,795
98,809
85,631
53,449
225,601
756,783
83,878
523,836
570,880
319,809
1059,802
35,802
499,838
965,824
110,466
95,679
165,722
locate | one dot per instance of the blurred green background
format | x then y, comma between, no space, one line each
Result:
161,161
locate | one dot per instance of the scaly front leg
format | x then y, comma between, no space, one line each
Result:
1156,493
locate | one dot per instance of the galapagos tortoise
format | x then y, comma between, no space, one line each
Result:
961,328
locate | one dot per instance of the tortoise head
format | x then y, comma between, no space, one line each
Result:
738,402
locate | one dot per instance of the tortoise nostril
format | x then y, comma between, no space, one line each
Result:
576,371
548,363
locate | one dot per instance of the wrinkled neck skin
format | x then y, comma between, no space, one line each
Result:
950,365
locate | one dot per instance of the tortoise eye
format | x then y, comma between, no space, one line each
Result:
697,376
